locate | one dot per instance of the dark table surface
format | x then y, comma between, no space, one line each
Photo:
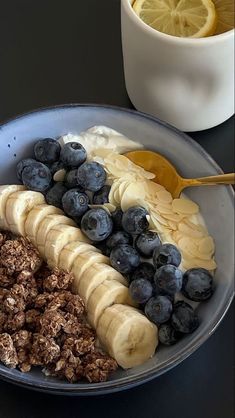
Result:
54,52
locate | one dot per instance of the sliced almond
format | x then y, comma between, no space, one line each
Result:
174,217
185,229
185,206
164,208
164,196
173,225
197,227
207,245
59,175
196,262
159,217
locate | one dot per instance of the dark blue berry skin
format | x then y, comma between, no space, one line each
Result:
140,290
73,154
47,150
70,180
158,309
55,194
75,203
56,166
166,254
168,335
102,196
97,224
134,220
124,259
168,279
91,176
21,166
146,243
119,238
103,248
143,271
37,177
117,219
184,319
197,284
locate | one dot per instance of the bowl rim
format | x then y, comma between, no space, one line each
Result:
83,389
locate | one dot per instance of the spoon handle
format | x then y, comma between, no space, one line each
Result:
220,179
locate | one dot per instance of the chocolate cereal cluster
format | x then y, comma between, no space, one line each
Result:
42,323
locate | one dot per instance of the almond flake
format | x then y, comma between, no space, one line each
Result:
185,206
164,196
207,245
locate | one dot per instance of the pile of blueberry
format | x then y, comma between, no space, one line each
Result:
124,237
153,285
83,184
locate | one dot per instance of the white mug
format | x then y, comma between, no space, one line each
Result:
186,82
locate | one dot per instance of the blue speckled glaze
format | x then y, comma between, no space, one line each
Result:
16,139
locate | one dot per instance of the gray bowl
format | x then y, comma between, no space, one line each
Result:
16,140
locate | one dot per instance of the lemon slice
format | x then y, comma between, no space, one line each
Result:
225,13
182,18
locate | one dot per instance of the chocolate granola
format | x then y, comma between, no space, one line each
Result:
42,323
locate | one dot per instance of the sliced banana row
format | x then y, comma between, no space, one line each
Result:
63,245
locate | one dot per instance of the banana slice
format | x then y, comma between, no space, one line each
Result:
5,192
94,276
70,252
105,295
45,226
57,238
18,205
35,217
83,262
128,335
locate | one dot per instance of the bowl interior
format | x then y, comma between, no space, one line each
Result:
216,203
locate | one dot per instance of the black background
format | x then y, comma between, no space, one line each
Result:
54,52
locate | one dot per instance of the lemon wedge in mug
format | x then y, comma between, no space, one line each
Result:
225,13
182,18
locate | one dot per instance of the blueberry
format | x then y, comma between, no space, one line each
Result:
91,176
124,259
134,220
167,334
140,290
168,279
97,224
119,238
75,203
36,177
47,150
158,309
70,180
117,219
166,254
197,284
146,243
73,154
22,164
143,271
56,166
184,319
55,194
102,196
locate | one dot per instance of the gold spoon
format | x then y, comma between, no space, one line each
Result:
167,176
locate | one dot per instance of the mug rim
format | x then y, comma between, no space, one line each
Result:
127,5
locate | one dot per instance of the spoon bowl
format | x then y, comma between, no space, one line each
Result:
167,176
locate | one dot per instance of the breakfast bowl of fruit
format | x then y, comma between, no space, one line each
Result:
109,277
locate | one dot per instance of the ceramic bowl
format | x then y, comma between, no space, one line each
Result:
216,202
